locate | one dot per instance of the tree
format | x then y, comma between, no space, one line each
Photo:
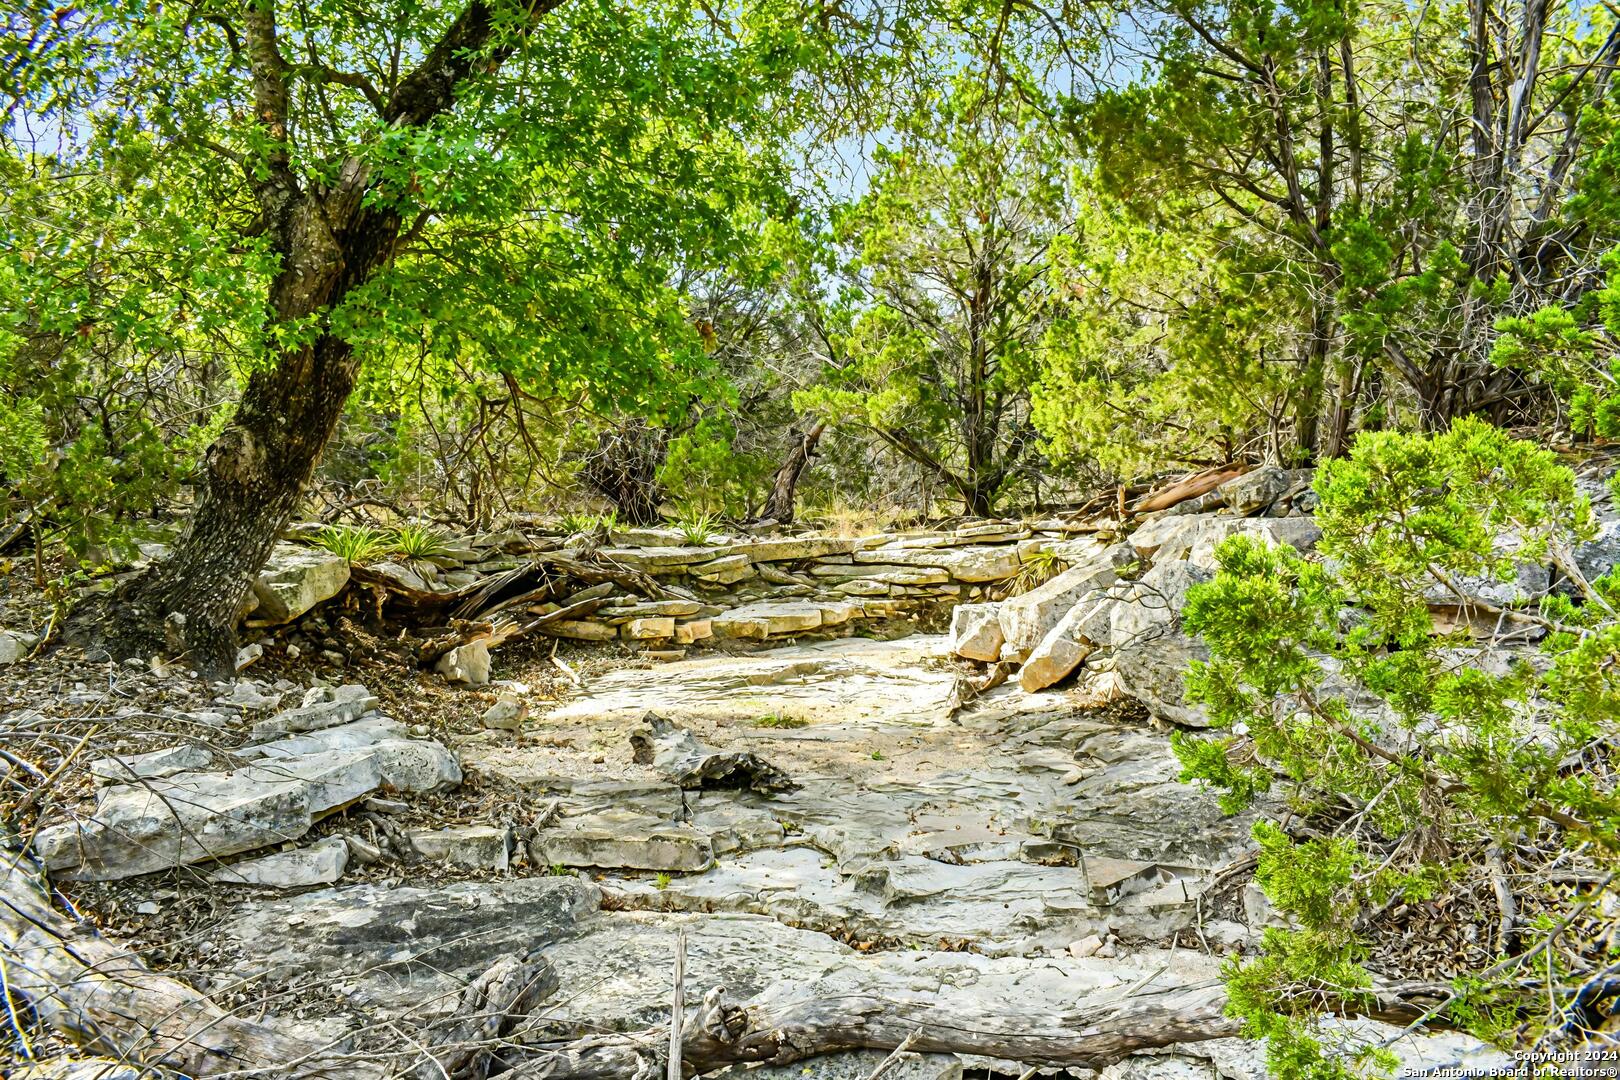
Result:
1420,761
504,179
1336,203
948,289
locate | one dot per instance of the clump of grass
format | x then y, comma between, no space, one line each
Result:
577,521
1039,568
418,542
354,543
662,881
696,528
776,721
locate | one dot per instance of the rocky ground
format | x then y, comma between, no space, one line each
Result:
340,849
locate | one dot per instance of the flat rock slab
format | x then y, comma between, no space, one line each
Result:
829,682
406,948
198,817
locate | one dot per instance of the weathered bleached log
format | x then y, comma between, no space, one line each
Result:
105,999
780,1033
1188,488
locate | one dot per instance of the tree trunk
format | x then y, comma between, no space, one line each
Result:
257,469
781,504
331,240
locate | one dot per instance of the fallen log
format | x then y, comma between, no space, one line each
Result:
108,1001
722,1034
1187,488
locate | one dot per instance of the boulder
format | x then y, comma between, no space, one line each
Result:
295,579
1256,490
1065,647
691,764
402,574
976,632
1597,556
466,664
319,864
1029,617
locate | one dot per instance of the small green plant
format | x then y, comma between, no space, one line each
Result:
417,542
695,528
877,755
577,521
661,882
777,721
557,869
355,543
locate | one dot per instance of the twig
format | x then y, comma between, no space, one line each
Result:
895,1055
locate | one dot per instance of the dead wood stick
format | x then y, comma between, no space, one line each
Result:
677,1007
894,1056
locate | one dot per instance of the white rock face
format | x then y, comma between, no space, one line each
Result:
767,619
976,632
319,864
1029,617
176,759
14,646
506,714
295,579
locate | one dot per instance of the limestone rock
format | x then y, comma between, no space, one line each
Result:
323,707
506,714
648,629
691,764
1066,646
469,847
691,630
1028,617
14,646
767,619
1257,489
408,946
970,563
582,630
295,579
159,763
976,632
467,664
196,817
854,1065
622,838
1194,537
319,864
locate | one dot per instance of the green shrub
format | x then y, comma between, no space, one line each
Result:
1454,757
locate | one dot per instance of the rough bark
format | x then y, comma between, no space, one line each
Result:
331,240
783,501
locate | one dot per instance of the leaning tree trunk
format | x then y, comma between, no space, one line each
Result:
781,505
331,240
